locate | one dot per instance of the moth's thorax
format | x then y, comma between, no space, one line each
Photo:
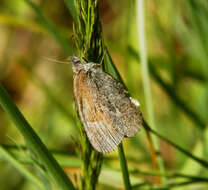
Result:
78,64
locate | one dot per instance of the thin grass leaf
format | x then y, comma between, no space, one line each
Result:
89,44
51,28
34,143
179,102
190,166
72,9
172,94
63,157
21,168
169,186
154,143
12,20
90,39
204,163
168,175
111,69
124,168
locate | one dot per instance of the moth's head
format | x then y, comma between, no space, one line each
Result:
78,64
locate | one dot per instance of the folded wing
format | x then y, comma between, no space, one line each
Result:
95,114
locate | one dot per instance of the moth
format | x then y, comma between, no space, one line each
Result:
106,110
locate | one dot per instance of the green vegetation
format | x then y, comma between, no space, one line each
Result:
163,64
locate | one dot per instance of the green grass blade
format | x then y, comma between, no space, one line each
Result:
144,62
51,28
34,143
124,168
204,163
146,82
111,69
89,43
11,20
72,9
171,93
179,102
25,172
169,175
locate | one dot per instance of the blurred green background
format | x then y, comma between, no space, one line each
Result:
177,49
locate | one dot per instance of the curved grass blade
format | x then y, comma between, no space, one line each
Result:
204,163
111,69
31,177
51,28
34,143
72,9
171,93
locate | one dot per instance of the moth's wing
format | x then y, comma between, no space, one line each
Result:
100,130
120,108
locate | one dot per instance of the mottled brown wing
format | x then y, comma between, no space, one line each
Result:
98,125
116,104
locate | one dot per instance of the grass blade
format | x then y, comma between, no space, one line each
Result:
89,43
72,9
9,158
182,150
172,94
111,69
154,144
124,168
51,28
34,143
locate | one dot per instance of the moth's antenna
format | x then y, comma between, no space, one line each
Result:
55,61
103,57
